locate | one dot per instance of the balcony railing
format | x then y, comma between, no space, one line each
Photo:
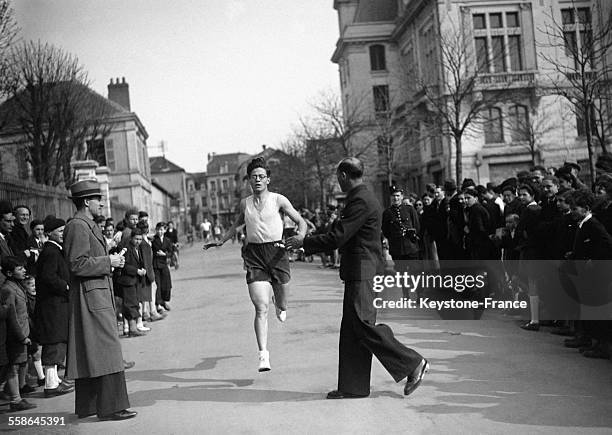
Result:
505,79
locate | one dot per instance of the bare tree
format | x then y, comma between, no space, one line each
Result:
458,88
52,106
8,35
342,123
582,75
528,126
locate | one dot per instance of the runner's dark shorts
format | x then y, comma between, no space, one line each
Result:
266,262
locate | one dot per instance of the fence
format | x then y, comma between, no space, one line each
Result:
42,200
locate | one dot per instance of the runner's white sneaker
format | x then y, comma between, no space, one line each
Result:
264,361
281,315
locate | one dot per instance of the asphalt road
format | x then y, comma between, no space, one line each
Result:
196,371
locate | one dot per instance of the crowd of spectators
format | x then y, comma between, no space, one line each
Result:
34,293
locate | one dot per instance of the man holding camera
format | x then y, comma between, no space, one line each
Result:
400,225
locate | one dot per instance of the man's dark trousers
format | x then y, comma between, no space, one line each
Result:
360,337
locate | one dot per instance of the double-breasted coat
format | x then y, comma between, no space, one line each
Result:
93,345
396,221
52,309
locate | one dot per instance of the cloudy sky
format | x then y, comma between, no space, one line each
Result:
204,75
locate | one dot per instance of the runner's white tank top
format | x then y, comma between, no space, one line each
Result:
264,224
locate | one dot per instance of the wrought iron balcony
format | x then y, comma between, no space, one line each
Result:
506,79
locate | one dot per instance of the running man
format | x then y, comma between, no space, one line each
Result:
265,257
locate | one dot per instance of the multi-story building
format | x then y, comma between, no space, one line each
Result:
392,53
221,184
172,178
197,198
122,148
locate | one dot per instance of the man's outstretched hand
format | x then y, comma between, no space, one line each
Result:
294,242
214,244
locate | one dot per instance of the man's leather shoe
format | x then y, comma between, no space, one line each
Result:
136,333
62,389
531,326
337,394
22,405
120,415
128,364
414,379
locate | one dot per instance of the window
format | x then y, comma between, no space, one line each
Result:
377,58
482,54
23,168
519,123
95,151
493,129
225,186
479,21
213,186
381,99
192,204
204,202
427,45
498,42
578,36
110,154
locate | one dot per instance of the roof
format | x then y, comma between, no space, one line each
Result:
229,162
162,189
376,10
161,164
94,105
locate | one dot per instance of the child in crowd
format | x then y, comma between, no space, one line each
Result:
14,296
162,250
34,349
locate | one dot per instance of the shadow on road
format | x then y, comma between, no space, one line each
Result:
201,393
487,375
169,375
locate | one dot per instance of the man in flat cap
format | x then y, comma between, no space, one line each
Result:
94,352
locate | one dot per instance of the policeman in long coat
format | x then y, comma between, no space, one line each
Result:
94,352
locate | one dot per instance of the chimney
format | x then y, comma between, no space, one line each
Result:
119,92
264,147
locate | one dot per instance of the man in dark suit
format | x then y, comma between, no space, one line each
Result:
7,223
357,236
592,245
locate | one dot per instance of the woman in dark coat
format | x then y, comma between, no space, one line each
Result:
52,308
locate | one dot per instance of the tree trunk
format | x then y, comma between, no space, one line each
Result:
592,170
458,158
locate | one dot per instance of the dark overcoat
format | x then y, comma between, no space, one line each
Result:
395,221
52,309
93,345
14,296
5,251
160,261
